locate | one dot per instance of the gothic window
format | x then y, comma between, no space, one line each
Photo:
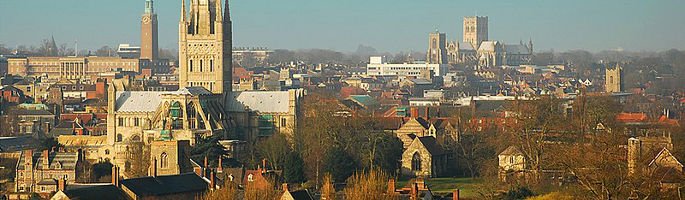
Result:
192,115
211,65
201,65
120,137
416,162
163,161
283,122
176,114
190,66
435,43
121,122
136,122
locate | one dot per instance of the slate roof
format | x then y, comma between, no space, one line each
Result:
67,160
301,195
166,185
516,49
431,145
261,101
511,150
465,46
195,91
10,144
99,192
488,46
138,101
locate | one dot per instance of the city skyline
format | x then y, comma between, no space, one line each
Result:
303,24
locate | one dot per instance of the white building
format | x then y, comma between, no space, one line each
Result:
378,66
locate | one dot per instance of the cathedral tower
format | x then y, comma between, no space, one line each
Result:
437,50
205,41
148,33
475,30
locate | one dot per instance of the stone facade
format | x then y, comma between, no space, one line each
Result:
205,52
612,80
171,157
437,50
40,171
424,158
475,30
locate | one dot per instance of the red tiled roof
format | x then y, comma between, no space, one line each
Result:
665,120
631,117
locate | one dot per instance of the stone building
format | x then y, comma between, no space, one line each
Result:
612,79
263,113
475,30
72,68
437,48
511,161
205,51
171,157
424,157
642,150
40,171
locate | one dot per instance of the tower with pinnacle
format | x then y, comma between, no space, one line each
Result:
148,33
205,42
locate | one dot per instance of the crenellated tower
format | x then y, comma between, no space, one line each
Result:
205,46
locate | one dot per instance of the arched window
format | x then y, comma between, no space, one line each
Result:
190,66
416,162
163,161
211,65
201,65
120,137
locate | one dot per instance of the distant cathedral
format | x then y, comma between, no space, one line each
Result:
204,45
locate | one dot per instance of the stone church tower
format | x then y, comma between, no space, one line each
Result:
148,33
437,48
205,41
475,30
612,80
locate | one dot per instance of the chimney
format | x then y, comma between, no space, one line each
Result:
414,112
28,159
61,184
263,165
46,159
212,183
414,193
219,168
285,187
455,194
391,186
205,167
428,116
115,176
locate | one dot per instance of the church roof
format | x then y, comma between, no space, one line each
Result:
488,46
516,49
195,91
511,150
261,101
431,145
138,101
465,46
165,185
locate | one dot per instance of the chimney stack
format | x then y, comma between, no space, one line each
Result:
263,165
61,184
115,176
414,192
455,194
205,167
28,159
285,187
428,116
212,183
414,112
219,168
46,159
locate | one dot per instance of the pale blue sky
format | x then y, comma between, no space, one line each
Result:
387,25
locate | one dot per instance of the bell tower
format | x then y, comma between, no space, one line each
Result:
205,46
148,33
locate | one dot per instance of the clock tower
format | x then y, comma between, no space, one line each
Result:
148,33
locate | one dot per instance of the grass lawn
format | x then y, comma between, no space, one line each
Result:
443,186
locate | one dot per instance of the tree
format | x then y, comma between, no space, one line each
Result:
105,51
228,192
339,164
138,161
371,185
102,172
294,168
208,147
274,149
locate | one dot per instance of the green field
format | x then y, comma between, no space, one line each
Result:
441,186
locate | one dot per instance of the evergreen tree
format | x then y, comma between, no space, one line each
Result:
339,164
208,147
294,168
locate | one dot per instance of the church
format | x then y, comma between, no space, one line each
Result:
168,123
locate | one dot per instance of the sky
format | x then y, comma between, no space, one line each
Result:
342,25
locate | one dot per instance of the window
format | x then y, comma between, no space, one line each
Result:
511,160
283,123
120,137
211,65
416,162
163,161
250,178
106,151
120,122
190,66
201,65
136,122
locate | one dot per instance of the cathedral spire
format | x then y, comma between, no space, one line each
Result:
217,8
227,12
183,10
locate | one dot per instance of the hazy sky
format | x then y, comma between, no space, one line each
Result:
387,25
